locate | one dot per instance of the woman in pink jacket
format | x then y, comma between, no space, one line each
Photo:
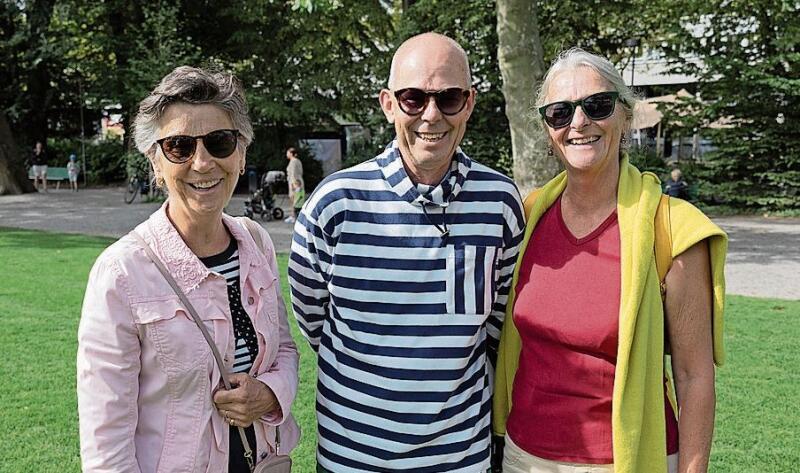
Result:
149,390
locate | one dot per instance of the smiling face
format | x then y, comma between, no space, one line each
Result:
586,144
200,188
428,141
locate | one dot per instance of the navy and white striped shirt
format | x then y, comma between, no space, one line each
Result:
404,308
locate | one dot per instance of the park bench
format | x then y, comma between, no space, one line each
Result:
53,174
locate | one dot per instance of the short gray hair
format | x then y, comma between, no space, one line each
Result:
191,85
574,58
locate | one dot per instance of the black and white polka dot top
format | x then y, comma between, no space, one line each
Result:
227,265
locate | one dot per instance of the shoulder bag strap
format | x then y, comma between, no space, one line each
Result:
663,252
252,227
248,452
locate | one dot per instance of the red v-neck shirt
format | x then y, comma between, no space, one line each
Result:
567,314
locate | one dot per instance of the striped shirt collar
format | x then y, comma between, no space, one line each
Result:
391,164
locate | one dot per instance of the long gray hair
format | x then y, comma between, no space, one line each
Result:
190,85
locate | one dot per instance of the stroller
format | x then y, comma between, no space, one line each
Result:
262,202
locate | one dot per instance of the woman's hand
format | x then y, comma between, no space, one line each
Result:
248,400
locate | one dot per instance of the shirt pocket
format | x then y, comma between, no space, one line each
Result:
170,328
471,284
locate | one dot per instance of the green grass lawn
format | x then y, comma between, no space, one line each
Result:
41,289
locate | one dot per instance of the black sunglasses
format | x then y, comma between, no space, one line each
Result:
449,101
596,106
180,148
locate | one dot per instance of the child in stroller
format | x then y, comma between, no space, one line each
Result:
262,201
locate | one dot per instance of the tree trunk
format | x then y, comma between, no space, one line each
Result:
40,92
124,19
520,56
13,176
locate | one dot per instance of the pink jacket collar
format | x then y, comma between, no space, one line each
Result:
187,269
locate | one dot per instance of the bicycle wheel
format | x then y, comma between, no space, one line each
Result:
132,190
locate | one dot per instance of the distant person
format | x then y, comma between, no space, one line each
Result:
676,186
294,172
298,199
150,396
39,163
72,172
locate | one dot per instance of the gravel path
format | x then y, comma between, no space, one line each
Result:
763,256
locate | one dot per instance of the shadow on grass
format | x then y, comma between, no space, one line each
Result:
11,238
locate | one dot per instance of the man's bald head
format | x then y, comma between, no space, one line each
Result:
428,138
431,47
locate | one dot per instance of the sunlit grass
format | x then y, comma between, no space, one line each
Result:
41,290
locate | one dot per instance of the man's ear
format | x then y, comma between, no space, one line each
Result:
473,96
387,104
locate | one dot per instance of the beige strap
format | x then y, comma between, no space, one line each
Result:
248,452
252,227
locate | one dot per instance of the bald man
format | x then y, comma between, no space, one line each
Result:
400,271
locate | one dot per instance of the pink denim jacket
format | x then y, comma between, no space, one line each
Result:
146,374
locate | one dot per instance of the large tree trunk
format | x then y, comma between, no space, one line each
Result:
13,177
124,18
40,92
520,56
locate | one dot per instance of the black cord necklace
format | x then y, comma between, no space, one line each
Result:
443,230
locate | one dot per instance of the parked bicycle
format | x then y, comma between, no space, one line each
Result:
140,181
136,186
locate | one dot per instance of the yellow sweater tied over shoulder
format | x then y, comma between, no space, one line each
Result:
637,409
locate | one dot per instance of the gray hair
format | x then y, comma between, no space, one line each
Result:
574,58
191,85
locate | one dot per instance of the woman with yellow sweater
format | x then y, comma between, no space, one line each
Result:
581,382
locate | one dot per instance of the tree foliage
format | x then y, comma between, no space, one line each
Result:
310,65
748,82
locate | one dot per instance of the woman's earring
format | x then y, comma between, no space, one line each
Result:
623,145
550,152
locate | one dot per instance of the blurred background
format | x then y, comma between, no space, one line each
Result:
718,80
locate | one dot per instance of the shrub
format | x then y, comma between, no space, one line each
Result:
645,159
105,159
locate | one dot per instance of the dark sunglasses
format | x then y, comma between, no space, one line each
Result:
596,106
449,101
180,148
